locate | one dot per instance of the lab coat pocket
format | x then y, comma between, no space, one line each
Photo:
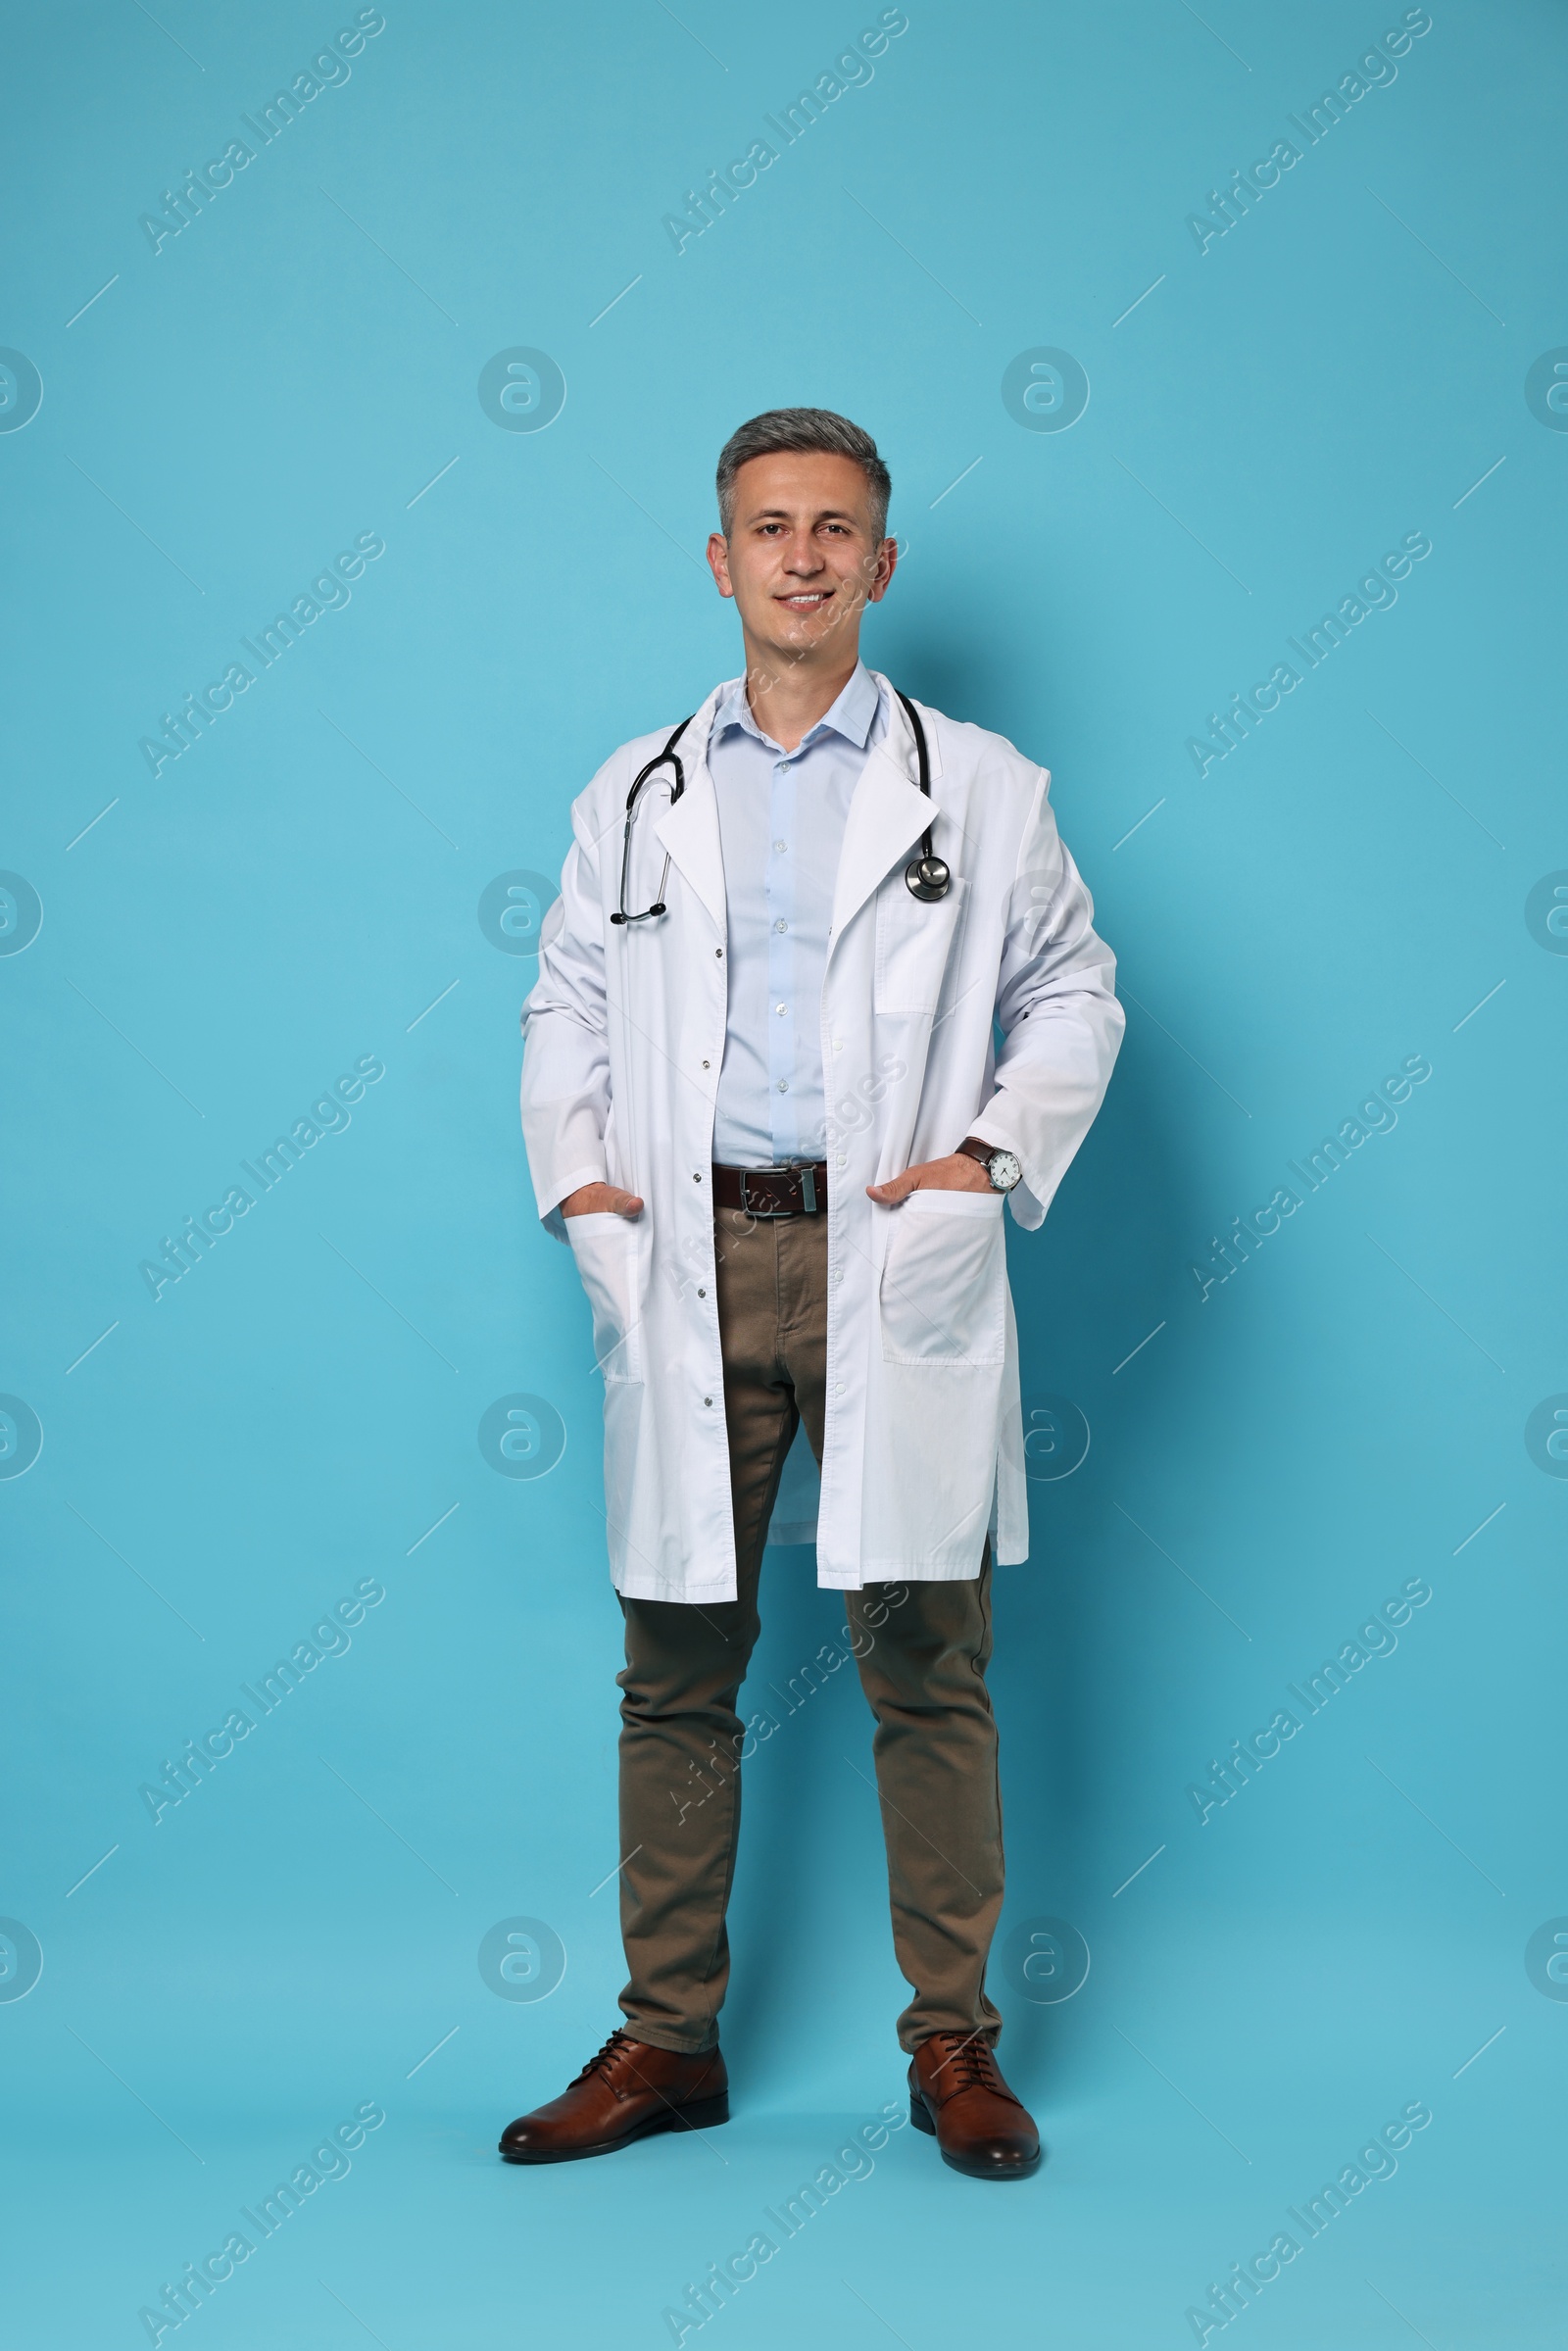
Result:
609,1250
914,942
944,1280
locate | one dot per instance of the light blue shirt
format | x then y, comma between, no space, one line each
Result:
781,817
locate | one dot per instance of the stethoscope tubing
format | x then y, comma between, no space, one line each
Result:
926,876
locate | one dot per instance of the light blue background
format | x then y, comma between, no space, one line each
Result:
1342,892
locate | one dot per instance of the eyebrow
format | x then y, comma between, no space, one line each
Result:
778,513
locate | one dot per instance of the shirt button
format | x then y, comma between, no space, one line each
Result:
843,1159
780,846
781,925
783,1085
839,1390
702,1293
708,1399
838,1045
781,1008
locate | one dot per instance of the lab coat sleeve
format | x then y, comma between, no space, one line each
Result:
565,1057
1056,1007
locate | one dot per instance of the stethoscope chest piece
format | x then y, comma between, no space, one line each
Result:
927,878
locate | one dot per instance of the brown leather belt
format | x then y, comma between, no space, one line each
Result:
772,1191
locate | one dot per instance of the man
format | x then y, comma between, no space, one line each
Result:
763,1100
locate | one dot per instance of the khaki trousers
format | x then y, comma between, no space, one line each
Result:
921,1650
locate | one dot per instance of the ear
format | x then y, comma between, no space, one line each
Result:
718,562
887,558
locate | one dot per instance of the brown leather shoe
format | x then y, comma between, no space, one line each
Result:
957,2095
628,2091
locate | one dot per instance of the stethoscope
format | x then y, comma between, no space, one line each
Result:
926,877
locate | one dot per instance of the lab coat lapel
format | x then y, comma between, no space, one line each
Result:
689,830
888,813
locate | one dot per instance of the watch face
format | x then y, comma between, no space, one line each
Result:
1004,1170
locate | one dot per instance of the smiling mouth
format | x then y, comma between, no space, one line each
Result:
807,600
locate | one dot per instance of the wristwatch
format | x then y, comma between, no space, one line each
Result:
1000,1167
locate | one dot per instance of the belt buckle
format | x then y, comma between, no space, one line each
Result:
804,1175
747,1206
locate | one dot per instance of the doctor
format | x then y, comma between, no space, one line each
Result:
763,1102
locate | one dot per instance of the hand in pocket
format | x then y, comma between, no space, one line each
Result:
601,1199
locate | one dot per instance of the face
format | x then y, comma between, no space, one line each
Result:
802,559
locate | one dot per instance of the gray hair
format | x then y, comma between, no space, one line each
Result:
786,429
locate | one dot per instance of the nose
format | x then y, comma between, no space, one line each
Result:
804,556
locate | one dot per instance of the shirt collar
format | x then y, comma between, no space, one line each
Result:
851,716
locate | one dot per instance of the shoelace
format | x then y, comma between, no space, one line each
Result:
606,2060
969,2063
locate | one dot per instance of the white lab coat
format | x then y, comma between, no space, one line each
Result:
624,1035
